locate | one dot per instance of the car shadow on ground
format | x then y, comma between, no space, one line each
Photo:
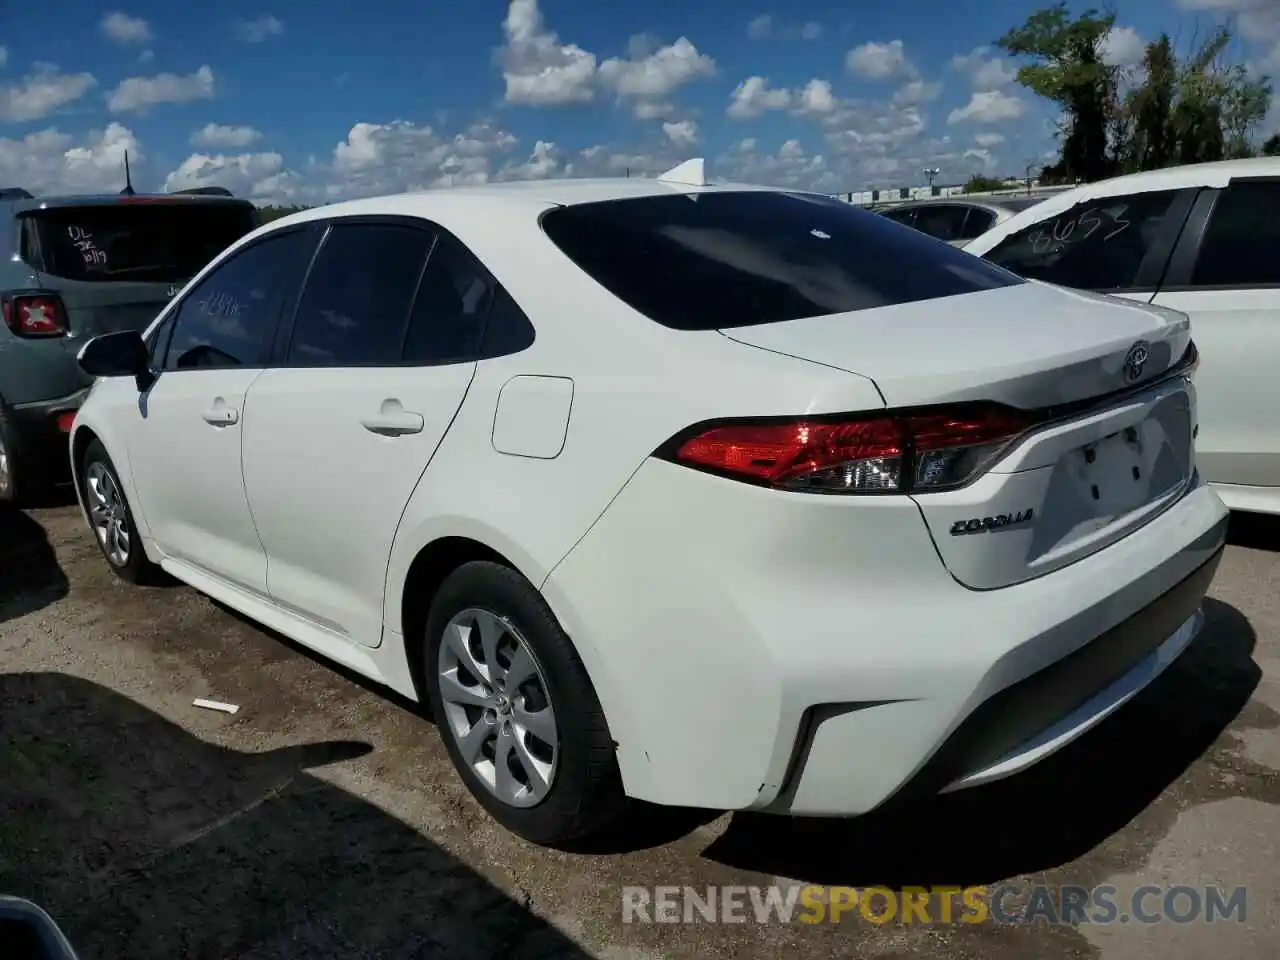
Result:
144,841
30,577
1254,531
1048,816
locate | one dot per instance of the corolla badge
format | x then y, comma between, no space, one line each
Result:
1135,360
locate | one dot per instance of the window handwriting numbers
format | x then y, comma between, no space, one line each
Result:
82,240
1053,236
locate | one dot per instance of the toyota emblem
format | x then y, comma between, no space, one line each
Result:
1135,360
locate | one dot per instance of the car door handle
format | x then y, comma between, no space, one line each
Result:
394,423
221,416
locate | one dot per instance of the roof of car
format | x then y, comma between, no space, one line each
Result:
1217,174
537,195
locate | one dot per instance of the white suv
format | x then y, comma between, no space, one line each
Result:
1203,239
710,496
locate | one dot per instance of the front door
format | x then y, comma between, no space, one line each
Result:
185,446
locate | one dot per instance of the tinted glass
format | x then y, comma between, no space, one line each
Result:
358,293
229,318
716,260
1242,242
164,242
1019,204
1096,245
977,223
449,313
944,221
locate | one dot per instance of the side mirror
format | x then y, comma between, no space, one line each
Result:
122,354
28,933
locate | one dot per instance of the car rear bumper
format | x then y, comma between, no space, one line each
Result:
805,655
43,430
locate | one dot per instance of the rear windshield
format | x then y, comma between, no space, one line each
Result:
138,242
1024,203
715,260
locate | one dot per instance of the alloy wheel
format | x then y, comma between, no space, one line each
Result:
107,513
497,706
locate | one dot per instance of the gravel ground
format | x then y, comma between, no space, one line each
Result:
324,820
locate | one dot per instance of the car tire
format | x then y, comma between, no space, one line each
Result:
583,794
110,515
9,454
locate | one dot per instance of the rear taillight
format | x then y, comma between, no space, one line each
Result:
920,451
1192,359
35,314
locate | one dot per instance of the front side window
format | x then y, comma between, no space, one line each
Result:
1241,242
1095,245
229,319
356,303
714,260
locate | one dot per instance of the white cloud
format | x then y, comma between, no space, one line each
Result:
538,69
261,176
41,93
987,140
916,92
140,93
218,137
1123,47
682,133
880,61
123,28
760,27
764,26
658,74
988,106
4,56
754,96
790,166
51,162
259,28
985,72
817,99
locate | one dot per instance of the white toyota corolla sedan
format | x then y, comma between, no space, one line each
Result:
707,495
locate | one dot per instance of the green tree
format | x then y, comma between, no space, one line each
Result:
980,184
271,212
1149,108
1067,68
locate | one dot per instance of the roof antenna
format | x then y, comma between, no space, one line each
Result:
128,190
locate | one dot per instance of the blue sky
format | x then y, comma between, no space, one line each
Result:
304,102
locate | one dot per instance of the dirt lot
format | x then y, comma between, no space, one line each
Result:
324,820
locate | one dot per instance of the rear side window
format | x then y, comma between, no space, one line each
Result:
901,216
1095,245
716,260
356,303
977,223
449,313
944,221
161,242
1241,242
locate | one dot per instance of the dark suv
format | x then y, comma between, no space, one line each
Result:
74,267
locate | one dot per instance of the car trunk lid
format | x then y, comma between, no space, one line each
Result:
1109,414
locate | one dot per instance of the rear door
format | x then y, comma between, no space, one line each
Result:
116,263
1226,275
1116,245
380,356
